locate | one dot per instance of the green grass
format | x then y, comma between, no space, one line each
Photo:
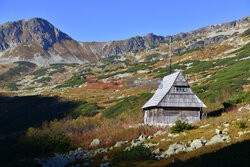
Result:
126,104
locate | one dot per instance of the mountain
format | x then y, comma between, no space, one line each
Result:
38,41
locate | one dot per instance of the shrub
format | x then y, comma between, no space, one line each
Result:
23,67
12,86
152,56
57,69
136,153
42,80
40,72
75,80
246,33
86,109
126,104
241,124
180,126
42,143
241,98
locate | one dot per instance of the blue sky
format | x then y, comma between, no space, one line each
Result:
105,20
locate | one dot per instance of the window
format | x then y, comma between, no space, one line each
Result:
180,89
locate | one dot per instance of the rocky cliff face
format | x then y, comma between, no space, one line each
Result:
38,41
39,30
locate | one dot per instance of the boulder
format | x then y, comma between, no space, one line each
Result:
197,143
203,126
173,135
226,124
105,158
225,131
218,131
136,142
150,144
158,157
105,164
240,133
86,164
219,138
150,137
95,143
190,141
140,124
175,148
142,138
247,107
159,133
79,149
119,144
101,150
170,140
156,151
246,131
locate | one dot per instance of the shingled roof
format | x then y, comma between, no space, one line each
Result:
164,98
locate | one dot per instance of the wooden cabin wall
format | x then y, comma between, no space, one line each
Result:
159,116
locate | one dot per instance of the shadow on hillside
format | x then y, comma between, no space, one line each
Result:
216,113
19,113
233,155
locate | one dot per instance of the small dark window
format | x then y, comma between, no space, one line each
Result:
180,89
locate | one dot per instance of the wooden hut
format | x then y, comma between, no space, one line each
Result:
173,99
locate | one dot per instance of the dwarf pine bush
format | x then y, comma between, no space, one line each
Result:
180,126
136,153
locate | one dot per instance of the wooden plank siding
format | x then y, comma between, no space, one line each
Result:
158,116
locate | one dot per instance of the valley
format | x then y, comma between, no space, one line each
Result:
58,95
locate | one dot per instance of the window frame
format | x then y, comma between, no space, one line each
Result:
180,89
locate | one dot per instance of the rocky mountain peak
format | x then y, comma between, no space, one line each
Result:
35,29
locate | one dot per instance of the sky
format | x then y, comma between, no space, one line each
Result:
106,20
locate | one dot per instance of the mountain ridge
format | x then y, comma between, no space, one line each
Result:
38,41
